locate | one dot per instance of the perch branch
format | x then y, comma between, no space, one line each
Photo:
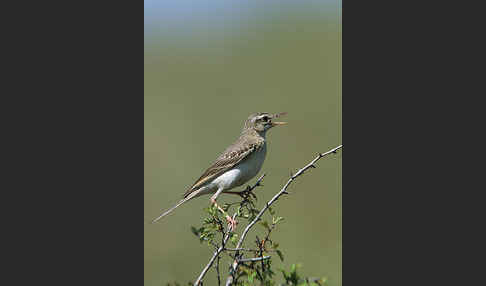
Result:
235,264
254,259
215,255
241,249
225,239
217,271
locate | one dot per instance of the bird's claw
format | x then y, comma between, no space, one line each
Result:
231,223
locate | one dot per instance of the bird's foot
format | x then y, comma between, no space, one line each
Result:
231,223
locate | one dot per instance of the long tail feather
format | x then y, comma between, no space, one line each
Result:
170,210
192,195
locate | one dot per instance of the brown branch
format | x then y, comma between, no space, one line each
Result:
236,263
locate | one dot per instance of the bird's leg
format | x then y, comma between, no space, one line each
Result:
231,222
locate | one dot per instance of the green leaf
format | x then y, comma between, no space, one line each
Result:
208,220
294,277
285,274
280,255
323,280
276,220
251,276
196,231
234,238
265,224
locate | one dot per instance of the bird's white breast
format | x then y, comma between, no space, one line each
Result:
244,171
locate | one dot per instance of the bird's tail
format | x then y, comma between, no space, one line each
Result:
192,195
170,210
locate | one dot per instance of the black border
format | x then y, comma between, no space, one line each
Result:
75,173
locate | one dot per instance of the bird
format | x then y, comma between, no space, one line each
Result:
238,164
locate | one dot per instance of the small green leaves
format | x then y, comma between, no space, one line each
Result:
207,234
292,276
257,271
280,255
271,211
276,220
234,238
225,207
322,281
265,224
196,231
207,220
251,276
293,268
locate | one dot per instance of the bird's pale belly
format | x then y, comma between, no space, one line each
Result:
243,172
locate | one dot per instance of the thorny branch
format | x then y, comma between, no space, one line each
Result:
215,255
236,262
224,241
239,256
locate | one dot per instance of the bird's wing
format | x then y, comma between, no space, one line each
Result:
232,156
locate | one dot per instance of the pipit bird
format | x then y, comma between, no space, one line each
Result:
238,164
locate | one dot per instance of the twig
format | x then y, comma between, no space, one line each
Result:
257,183
260,247
235,264
217,271
223,242
254,259
216,254
241,249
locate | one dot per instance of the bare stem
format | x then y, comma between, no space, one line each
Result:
240,249
217,271
254,259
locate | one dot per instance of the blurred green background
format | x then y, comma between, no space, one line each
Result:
206,70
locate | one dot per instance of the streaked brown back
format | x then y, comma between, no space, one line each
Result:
249,142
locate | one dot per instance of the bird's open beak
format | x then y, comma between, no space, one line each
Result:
279,122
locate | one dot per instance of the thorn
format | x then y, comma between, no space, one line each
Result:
313,166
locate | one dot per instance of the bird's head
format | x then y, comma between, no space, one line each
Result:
262,121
